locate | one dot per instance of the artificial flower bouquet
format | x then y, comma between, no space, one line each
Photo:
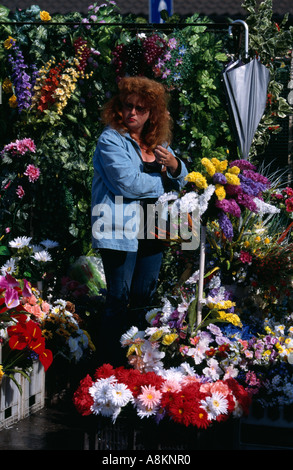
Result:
176,394
62,328
22,341
222,192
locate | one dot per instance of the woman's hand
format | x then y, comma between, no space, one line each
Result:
166,158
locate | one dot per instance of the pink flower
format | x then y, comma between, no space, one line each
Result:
245,257
11,298
150,397
32,172
24,145
20,192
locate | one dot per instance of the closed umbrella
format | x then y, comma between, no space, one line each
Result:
246,84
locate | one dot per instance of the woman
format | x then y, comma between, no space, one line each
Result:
133,165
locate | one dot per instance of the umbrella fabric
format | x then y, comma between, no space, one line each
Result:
246,86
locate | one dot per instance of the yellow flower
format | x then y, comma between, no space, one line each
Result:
8,43
220,192
266,241
169,339
157,335
198,179
7,86
220,166
232,179
210,168
134,349
1,372
45,16
230,317
234,170
13,102
257,239
223,304
246,244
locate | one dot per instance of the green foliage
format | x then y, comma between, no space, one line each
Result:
272,44
190,67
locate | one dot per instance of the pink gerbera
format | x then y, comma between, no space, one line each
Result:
149,397
32,172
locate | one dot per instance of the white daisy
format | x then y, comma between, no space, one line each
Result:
20,242
99,390
119,394
215,405
9,267
42,256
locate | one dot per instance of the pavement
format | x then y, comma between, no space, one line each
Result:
48,429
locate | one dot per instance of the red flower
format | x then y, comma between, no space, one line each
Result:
289,204
28,334
81,398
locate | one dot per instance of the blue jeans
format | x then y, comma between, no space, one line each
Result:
131,279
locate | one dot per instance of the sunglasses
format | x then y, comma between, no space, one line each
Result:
139,109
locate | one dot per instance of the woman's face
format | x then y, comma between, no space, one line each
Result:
134,114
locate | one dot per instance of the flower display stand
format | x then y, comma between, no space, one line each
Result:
133,434
267,428
15,405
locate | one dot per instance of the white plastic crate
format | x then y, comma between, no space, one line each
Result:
33,393
10,401
15,404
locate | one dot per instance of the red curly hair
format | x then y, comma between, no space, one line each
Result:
158,128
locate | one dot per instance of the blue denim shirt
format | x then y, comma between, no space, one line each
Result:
119,183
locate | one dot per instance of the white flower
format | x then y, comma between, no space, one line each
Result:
49,244
167,310
213,371
186,204
99,390
132,334
145,412
205,197
20,242
62,303
193,278
166,197
215,405
151,356
264,207
9,267
42,256
151,314
119,394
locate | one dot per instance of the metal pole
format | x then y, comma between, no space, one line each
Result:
201,273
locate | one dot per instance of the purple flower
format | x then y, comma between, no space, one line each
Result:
257,177
242,164
246,201
219,178
21,80
253,188
226,225
229,206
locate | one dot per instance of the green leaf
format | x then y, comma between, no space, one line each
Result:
4,251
